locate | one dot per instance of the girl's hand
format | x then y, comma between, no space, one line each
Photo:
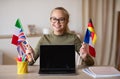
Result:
84,51
29,52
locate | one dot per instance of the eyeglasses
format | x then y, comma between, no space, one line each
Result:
54,20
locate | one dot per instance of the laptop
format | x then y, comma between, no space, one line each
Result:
57,59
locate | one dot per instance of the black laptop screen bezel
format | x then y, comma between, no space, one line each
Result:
61,60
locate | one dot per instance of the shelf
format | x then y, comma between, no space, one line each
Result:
10,36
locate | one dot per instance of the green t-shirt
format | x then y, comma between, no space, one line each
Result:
52,39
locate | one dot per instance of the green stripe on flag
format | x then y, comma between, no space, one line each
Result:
18,24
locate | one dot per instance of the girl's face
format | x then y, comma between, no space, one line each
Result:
58,22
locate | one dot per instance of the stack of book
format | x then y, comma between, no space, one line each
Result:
101,71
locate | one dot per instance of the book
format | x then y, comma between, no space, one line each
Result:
101,71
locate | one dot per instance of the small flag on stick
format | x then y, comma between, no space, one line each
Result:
19,35
19,39
90,38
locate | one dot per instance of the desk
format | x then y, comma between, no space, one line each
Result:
10,72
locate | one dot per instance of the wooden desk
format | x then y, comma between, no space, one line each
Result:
10,72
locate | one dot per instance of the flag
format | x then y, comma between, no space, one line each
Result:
19,38
90,38
18,24
14,40
19,35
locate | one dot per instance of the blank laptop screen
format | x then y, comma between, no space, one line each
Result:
58,59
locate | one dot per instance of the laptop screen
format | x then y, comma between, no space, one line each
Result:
57,59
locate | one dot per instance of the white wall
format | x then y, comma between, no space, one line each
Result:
32,12
36,12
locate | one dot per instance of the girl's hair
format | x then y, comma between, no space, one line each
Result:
64,11
66,15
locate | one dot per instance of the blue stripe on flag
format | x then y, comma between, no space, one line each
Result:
87,36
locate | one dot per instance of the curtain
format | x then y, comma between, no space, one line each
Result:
102,14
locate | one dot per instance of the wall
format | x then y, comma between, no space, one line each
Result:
32,12
36,12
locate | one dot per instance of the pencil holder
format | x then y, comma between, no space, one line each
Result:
22,67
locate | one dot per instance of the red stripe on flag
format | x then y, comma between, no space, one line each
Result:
92,35
14,40
92,51
90,24
21,34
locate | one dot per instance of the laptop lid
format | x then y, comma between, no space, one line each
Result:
57,59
